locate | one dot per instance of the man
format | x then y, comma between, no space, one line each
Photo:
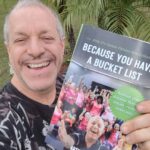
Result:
88,140
95,129
35,42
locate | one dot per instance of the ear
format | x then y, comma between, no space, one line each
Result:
8,49
63,45
7,46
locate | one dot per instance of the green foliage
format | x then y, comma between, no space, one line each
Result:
113,15
128,17
5,6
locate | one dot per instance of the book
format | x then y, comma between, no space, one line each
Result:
107,76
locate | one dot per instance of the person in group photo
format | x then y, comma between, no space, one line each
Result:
88,140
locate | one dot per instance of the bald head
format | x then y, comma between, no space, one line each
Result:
97,120
31,3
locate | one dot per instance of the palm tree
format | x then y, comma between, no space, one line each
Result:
129,17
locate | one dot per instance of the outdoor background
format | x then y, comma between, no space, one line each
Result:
127,17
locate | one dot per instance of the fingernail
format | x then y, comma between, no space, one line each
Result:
124,129
127,139
140,108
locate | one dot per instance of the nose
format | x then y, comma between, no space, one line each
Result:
35,48
94,126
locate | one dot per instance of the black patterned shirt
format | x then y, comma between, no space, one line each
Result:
23,122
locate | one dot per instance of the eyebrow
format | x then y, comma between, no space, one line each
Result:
45,31
24,34
21,34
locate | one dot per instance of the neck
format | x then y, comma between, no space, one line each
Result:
89,142
45,97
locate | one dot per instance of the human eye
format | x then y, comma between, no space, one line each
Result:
47,39
93,123
99,125
20,40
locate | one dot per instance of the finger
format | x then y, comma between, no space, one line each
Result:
144,146
60,133
62,125
142,121
138,136
62,130
144,106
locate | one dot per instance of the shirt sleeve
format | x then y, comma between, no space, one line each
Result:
11,131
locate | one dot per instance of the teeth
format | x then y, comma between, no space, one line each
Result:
94,131
38,65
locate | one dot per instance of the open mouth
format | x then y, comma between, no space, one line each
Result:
38,65
94,131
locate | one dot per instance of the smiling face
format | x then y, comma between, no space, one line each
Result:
35,49
95,128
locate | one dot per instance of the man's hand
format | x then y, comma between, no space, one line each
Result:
66,139
137,130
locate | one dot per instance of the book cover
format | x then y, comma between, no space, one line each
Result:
107,76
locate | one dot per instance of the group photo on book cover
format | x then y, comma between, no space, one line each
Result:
107,76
